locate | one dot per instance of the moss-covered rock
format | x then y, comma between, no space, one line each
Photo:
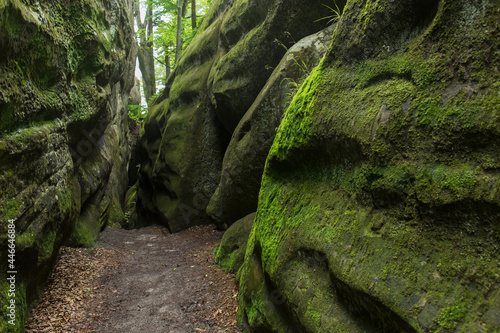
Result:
230,252
380,205
215,81
246,154
66,69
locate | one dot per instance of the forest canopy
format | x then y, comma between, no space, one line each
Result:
164,28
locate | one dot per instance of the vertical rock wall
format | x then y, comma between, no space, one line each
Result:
379,209
66,69
211,88
245,157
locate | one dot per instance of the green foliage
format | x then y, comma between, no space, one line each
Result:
137,113
299,62
164,21
334,16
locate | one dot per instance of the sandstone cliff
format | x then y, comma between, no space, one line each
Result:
215,82
66,69
379,208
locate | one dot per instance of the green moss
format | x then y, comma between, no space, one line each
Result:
449,317
7,119
130,198
65,201
25,240
116,216
330,221
12,22
40,46
404,67
388,167
202,47
92,62
431,112
10,208
47,248
228,262
226,63
295,129
83,235
442,183
81,109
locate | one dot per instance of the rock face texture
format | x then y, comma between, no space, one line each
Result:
379,209
215,82
66,69
230,253
245,157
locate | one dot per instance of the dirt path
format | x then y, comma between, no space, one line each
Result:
143,281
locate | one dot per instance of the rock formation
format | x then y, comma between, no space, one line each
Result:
379,208
245,157
375,180
66,69
215,82
230,253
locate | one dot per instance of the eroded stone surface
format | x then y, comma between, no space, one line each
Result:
214,83
380,202
245,157
66,69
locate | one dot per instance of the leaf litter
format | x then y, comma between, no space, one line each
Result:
145,280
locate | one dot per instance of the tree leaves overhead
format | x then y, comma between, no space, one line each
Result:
163,7
164,19
166,30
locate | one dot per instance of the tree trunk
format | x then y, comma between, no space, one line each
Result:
178,40
193,14
145,51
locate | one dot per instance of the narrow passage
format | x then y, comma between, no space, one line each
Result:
143,281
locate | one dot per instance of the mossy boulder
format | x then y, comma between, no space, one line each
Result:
215,81
230,253
245,157
66,69
379,207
